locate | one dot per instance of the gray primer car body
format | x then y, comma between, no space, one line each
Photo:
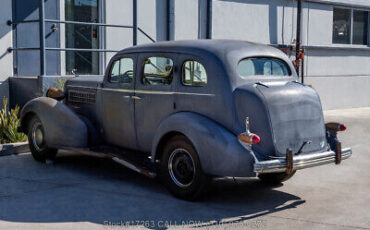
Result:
283,112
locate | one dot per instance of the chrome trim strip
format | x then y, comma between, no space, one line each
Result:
83,87
171,93
140,91
155,92
118,90
300,162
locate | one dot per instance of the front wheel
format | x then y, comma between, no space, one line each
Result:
275,178
36,139
181,171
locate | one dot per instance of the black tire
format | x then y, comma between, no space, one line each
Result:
180,170
36,140
275,178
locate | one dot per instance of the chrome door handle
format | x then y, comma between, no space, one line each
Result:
135,97
127,98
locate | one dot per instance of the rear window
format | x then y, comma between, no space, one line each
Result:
263,67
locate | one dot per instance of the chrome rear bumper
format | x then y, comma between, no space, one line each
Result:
300,162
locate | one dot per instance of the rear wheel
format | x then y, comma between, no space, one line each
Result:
36,139
181,171
275,178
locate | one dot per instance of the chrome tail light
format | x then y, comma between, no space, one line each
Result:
247,137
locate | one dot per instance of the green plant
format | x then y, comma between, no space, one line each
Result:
9,123
60,82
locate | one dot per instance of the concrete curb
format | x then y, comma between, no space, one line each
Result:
13,148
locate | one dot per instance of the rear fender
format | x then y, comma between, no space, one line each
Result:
62,127
219,151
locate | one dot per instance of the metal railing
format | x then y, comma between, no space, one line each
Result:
42,20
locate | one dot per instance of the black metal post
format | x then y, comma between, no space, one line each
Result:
302,69
134,22
42,37
209,19
298,38
168,19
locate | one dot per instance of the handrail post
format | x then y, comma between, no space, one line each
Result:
298,38
209,19
42,37
134,22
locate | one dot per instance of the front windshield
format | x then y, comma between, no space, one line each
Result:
263,67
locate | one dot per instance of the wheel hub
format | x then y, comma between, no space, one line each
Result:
38,136
181,167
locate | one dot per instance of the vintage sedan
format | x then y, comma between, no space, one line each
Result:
189,111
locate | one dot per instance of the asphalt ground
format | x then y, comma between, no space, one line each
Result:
80,192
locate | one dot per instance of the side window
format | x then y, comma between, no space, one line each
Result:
122,71
158,71
194,74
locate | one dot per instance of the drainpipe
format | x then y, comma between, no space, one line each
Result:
170,20
209,19
134,22
298,38
40,78
42,37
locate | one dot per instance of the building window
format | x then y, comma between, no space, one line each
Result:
360,27
158,71
342,26
82,36
350,26
194,74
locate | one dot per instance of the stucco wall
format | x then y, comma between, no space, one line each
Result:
6,59
118,12
340,73
151,19
341,76
265,21
186,19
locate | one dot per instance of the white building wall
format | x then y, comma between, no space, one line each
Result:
147,20
318,24
186,19
118,12
6,59
340,73
150,18
244,20
340,76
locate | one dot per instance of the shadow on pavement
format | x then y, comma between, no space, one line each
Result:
86,189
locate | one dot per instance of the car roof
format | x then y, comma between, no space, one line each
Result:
228,52
208,47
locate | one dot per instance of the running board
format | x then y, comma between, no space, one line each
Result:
132,160
134,167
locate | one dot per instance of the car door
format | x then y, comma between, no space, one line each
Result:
118,108
155,98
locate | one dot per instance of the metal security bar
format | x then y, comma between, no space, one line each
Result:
42,20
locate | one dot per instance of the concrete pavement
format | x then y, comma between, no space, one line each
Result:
80,192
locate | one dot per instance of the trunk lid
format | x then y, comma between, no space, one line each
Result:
295,115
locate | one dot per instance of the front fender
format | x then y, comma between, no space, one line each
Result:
62,127
219,151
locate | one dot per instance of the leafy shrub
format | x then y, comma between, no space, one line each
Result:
9,123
